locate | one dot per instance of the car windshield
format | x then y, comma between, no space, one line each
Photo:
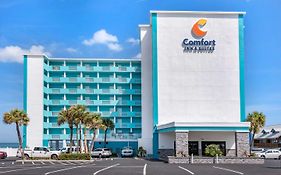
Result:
127,148
98,149
106,149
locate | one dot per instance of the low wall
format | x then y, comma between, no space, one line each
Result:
213,160
164,153
11,152
176,160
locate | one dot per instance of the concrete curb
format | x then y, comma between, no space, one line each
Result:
47,160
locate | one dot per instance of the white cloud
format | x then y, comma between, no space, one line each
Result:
15,53
71,50
137,56
114,47
133,41
102,37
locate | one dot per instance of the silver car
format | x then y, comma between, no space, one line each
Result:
101,152
127,152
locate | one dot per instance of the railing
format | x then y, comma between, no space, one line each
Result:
267,145
120,136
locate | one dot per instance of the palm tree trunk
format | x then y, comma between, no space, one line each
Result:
71,135
77,141
80,138
20,141
93,141
252,143
85,141
105,132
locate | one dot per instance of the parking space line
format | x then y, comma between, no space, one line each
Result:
62,163
226,169
52,163
42,162
22,169
106,168
131,166
65,169
32,163
144,169
186,170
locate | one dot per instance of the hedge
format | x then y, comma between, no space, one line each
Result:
74,156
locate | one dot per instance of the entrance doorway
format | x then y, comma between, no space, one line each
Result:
193,148
221,144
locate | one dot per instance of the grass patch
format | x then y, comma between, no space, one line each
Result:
74,156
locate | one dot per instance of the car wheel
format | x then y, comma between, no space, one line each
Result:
26,156
263,156
279,157
54,156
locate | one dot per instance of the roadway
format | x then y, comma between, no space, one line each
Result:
128,166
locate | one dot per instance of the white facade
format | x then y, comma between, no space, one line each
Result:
34,100
147,116
199,92
199,87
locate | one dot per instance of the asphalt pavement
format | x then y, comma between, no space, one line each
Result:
127,166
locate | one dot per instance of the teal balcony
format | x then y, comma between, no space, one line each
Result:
129,91
119,136
129,102
47,113
128,125
54,125
135,80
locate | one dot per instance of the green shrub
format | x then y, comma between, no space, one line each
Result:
213,150
39,158
74,156
141,152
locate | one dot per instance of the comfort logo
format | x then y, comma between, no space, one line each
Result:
196,29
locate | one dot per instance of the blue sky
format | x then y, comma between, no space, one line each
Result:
109,28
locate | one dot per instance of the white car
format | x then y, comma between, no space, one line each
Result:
67,149
101,152
127,152
39,152
257,150
270,154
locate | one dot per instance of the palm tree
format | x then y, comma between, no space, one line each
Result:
107,124
19,117
86,121
94,122
66,116
257,120
79,112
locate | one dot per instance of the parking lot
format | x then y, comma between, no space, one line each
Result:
130,166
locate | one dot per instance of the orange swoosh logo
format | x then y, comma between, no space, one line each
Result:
196,29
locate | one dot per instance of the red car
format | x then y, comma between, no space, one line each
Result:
3,155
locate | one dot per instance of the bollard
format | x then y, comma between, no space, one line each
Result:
191,161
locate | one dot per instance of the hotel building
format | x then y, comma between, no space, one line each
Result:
186,91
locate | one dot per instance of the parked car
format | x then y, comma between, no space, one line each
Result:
3,154
257,150
42,152
127,152
270,154
101,152
67,149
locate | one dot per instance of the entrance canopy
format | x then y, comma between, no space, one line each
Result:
204,126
